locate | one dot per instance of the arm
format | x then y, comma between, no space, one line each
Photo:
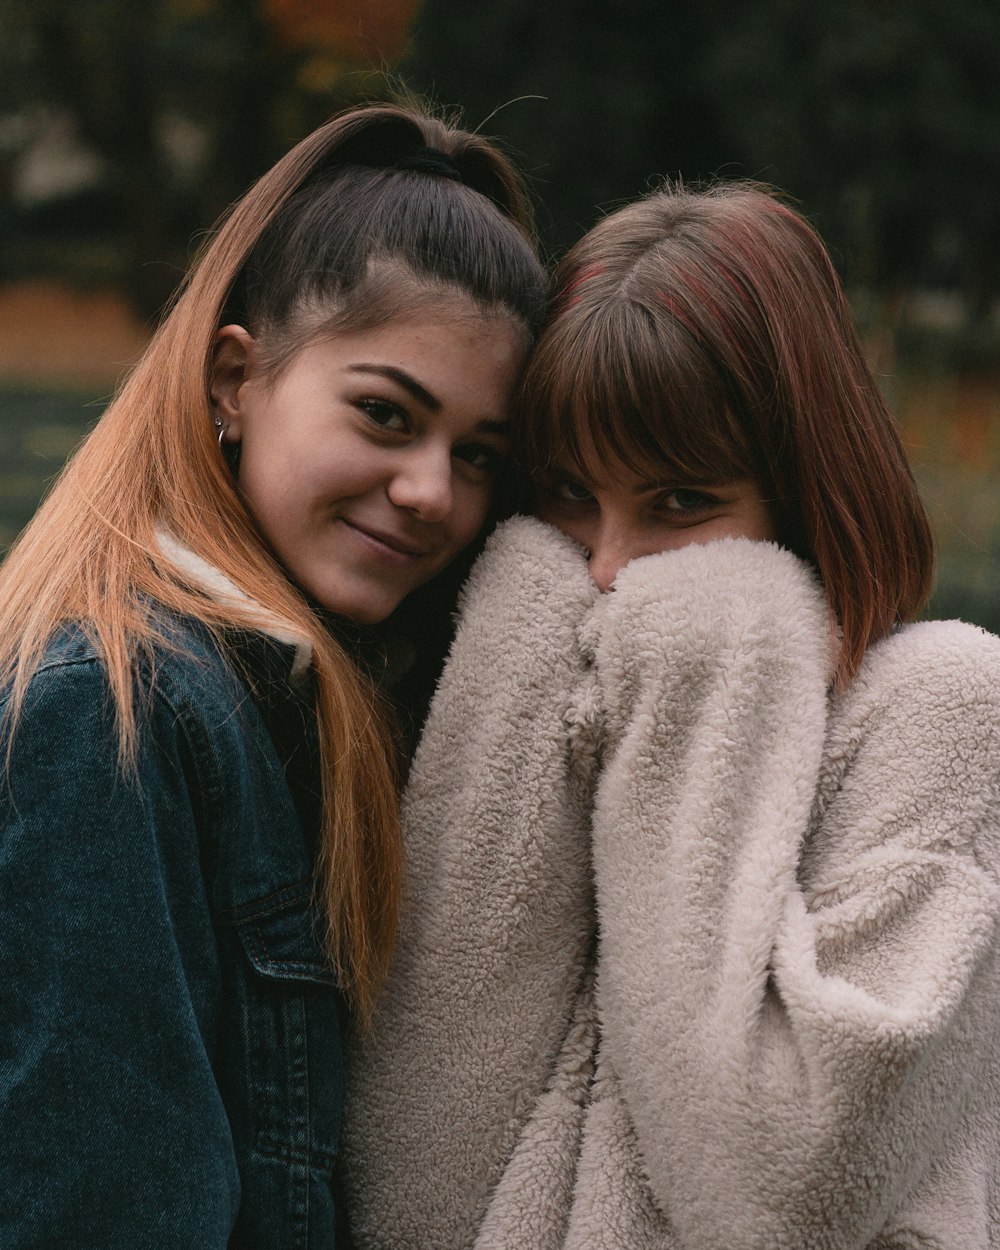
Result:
798,906
112,1131
499,916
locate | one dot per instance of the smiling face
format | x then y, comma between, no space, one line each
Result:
369,462
618,515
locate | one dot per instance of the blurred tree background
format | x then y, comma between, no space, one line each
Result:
125,130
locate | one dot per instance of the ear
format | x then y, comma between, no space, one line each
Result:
231,362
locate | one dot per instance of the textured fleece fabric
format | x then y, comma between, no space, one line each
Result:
698,955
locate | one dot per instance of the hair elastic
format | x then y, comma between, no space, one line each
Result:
430,161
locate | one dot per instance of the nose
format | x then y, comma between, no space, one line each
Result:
423,484
609,554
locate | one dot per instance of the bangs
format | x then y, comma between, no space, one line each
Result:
629,385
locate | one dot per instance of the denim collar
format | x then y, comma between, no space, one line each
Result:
206,577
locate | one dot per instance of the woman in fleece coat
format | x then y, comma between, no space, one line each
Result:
701,950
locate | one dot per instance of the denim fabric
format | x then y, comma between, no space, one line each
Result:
170,1063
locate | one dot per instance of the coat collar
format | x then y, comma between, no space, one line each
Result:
214,583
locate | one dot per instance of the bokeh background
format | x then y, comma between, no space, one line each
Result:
127,126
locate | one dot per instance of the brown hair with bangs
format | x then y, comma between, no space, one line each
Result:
703,334
336,236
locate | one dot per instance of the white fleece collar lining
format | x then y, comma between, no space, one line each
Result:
224,591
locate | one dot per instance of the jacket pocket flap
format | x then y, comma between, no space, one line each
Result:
280,937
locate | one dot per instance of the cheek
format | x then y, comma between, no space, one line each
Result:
469,513
575,526
762,526
268,496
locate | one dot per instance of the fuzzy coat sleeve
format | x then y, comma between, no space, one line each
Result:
499,913
798,904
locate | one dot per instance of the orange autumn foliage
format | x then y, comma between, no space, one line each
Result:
358,30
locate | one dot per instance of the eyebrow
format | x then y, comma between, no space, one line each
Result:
406,380
420,393
637,488
644,488
647,487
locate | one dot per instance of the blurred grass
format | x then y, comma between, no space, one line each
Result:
39,429
951,426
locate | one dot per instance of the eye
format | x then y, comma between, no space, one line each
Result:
385,415
565,490
481,456
683,501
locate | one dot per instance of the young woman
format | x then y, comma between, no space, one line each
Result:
702,946
198,835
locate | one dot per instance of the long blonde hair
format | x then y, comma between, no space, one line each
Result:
90,555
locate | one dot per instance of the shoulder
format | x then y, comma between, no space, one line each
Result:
182,682
911,763
943,667
190,748
916,737
940,644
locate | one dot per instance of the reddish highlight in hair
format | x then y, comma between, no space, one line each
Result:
719,344
676,309
565,297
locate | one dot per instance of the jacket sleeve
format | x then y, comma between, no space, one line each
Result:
498,918
795,1058
112,1131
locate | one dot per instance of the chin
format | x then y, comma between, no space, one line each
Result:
363,610
374,617
348,593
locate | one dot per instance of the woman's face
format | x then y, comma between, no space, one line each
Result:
618,515
369,462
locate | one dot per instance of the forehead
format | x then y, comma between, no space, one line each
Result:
442,321
452,361
389,292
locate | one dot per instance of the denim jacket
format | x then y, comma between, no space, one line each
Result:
170,1055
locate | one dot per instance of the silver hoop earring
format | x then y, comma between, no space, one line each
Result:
218,423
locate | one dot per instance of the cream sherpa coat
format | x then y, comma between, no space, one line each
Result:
787,1034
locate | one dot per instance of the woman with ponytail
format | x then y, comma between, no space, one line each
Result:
199,855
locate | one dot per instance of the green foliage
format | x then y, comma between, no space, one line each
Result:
593,97
38,431
883,119
886,120
185,102
951,426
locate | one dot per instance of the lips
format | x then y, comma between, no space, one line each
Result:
395,542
